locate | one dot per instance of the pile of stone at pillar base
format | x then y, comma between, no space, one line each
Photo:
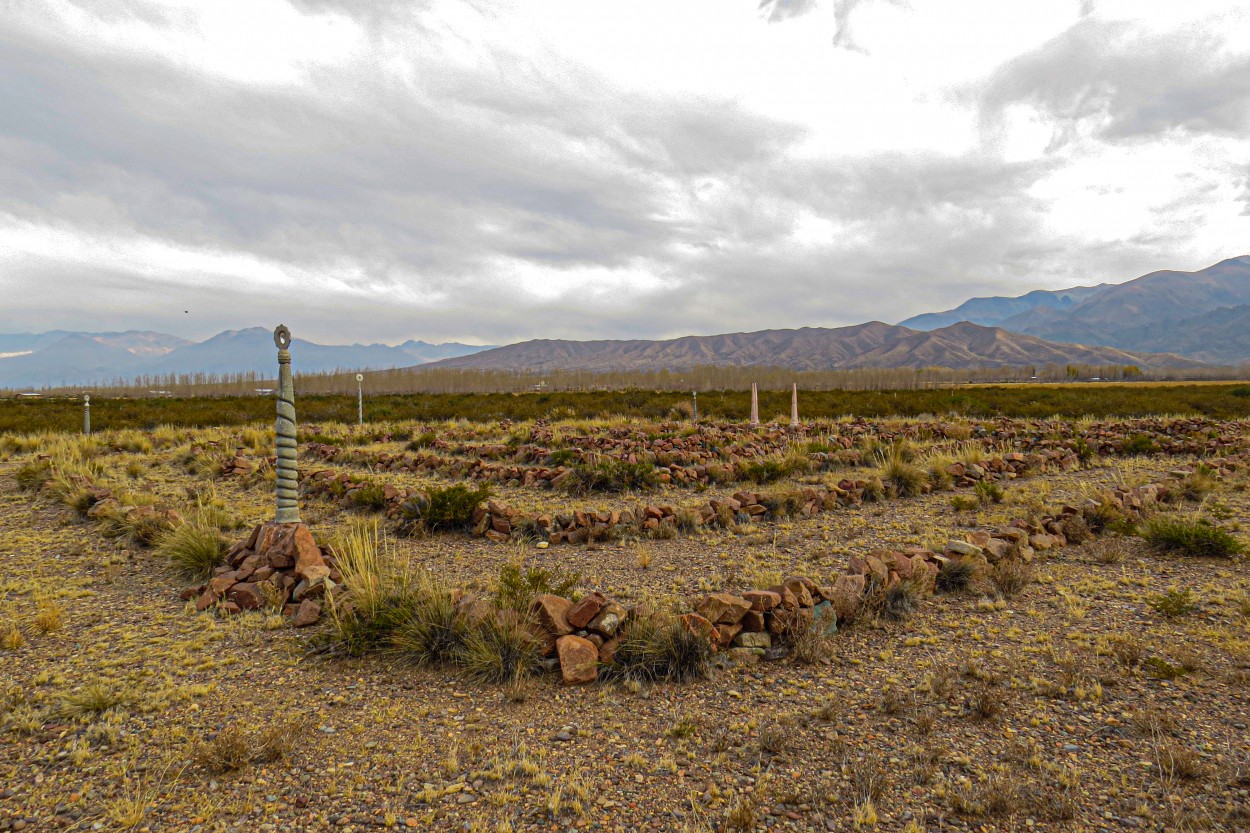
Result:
278,564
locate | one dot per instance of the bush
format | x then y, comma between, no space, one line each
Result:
369,497
988,492
609,476
32,476
452,508
233,748
384,595
422,441
1140,444
500,652
1011,576
517,587
562,457
964,503
1199,484
656,648
193,551
436,630
902,478
955,575
1174,602
1196,538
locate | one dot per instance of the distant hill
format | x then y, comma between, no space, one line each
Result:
993,311
873,344
61,358
1144,311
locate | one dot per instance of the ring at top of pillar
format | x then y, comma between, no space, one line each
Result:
282,337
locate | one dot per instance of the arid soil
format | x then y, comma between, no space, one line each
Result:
1070,702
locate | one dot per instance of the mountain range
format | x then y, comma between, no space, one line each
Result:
1202,315
962,345
1162,319
60,358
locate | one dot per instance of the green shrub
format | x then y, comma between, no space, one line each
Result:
988,492
609,476
436,630
452,508
656,648
1140,444
562,457
785,504
192,550
1196,538
955,575
902,478
964,503
369,497
517,588
1198,484
762,471
422,441
31,476
497,651
1174,602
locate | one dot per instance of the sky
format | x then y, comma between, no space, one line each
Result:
492,171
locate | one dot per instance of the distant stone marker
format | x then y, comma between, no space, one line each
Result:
695,412
360,398
794,406
287,484
86,414
755,405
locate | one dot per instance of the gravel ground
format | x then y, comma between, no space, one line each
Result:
1045,711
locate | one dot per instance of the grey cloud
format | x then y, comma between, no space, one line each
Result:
1129,83
423,185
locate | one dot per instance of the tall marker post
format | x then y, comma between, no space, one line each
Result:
86,414
287,484
696,404
794,406
360,398
755,405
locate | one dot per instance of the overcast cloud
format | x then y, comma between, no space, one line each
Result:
493,171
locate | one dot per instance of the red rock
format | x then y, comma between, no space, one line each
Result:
723,608
579,660
551,613
762,600
699,626
307,553
802,592
307,614
753,621
246,595
586,609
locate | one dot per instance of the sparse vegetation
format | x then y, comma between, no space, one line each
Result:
1194,538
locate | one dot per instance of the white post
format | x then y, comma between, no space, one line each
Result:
794,406
360,398
86,414
696,405
755,405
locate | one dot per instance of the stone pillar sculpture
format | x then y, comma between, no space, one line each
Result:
696,405
755,405
288,472
86,414
794,406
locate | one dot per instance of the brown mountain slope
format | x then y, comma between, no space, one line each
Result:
873,344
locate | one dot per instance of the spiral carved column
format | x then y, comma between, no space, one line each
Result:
288,471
